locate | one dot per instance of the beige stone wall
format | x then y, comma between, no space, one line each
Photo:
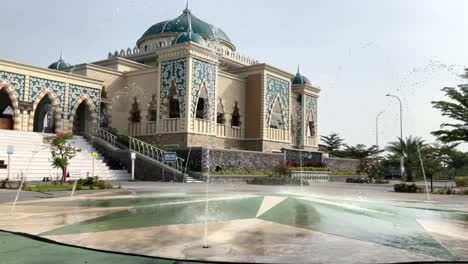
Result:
254,106
114,84
142,85
231,89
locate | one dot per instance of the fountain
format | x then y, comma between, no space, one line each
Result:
423,172
73,189
205,227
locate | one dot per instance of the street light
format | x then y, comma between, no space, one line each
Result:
402,166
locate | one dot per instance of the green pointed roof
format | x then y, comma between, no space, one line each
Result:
180,25
300,79
60,64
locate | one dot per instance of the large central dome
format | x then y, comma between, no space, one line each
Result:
180,24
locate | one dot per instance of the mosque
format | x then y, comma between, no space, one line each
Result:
183,85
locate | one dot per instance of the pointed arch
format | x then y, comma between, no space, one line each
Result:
310,124
202,110
220,112
277,114
91,109
53,99
172,99
235,117
10,91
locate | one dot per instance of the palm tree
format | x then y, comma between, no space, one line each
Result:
409,148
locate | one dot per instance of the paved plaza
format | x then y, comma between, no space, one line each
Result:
326,222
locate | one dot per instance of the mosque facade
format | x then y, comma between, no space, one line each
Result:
183,85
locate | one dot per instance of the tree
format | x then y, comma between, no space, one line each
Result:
409,148
456,109
62,151
333,142
360,151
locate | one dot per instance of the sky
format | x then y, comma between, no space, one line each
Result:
355,51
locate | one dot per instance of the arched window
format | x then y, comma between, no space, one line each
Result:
276,115
310,125
203,109
220,112
135,113
173,101
235,119
152,109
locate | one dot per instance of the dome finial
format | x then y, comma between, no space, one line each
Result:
298,72
61,55
189,20
186,6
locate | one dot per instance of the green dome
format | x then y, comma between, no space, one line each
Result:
59,65
180,25
300,79
184,37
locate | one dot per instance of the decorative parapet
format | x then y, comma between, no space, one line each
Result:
220,51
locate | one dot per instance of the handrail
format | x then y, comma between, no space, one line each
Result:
105,135
154,153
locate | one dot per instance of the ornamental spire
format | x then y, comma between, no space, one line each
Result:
298,69
61,55
189,20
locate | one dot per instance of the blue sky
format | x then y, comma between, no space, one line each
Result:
356,51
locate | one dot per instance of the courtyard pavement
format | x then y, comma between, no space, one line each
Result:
323,222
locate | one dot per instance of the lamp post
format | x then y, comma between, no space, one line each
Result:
377,132
402,158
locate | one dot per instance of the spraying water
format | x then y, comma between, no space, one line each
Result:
73,189
205,229
423,172
302,170
23,178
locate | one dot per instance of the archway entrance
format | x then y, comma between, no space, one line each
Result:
7,113
44,116
82,121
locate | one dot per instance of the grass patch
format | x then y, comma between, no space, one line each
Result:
53,188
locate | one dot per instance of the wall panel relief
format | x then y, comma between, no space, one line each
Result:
277,87
173,72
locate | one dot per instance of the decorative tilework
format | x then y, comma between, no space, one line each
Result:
38,85
173,70
203,72
277,87
76,92
311,109
299,119
16,81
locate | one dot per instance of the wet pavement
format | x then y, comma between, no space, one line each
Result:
343,223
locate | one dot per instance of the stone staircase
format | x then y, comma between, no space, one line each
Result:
189,179
32,158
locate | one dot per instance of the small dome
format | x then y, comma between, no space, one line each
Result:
300,79
59,65
185,37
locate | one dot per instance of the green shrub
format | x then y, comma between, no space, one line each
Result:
344,173
407,188
240,172
461,181
309,168
282,169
